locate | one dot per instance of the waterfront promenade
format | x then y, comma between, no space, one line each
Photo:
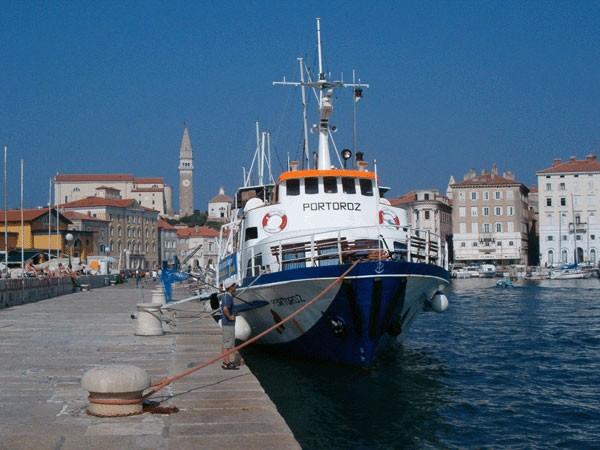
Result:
47,346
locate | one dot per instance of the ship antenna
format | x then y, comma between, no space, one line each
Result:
304,113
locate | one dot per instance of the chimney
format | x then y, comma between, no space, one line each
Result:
483,172
590,157
362,165
294,165
573,158
509,175
494,169
470,175
556,162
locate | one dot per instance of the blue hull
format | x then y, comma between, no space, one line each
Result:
374,302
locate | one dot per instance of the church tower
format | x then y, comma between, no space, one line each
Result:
186,176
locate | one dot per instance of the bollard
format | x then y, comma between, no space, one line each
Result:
115,390
149,322
158,296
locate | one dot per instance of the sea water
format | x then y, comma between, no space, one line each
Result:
502,367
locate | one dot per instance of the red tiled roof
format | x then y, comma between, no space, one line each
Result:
148,190
160,223
404,199
100,201
95,177
14,215
533,190
487,179
149,180
589,164
197,232
73,215
221,198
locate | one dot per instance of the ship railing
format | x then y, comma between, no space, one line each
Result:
342,246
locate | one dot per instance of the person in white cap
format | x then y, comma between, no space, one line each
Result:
228,322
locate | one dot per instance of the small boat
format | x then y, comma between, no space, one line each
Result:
570,272
504,283
487,271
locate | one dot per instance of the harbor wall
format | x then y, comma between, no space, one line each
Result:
19,291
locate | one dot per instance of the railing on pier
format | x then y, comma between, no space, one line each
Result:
342,246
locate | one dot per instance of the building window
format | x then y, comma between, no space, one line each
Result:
563,201
550,257
473,211
562,186
461,196
474,244
462,211
486,211
549,238
473,195
593,256
498,227
426,215
511,243
498,195
486,227
592,237
498,211
577,219
463,244
548,202
549,187
511,211
426,196
486,195
462,227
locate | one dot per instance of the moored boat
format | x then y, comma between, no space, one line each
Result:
290,239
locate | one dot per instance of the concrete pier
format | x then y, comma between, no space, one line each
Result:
46,347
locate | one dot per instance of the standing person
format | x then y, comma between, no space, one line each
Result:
228,322
137,278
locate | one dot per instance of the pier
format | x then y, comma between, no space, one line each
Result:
47,346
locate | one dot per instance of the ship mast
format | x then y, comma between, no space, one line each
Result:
325,89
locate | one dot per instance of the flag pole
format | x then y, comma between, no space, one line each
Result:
22,228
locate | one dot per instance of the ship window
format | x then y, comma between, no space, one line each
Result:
311,185
330,185
293,187
366,187
251,233
349,185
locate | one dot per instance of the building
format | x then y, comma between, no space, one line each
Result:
96,229
186,176
152,193
569,204
490,218
39,231
197,246
132,229
219,207
428,210
167,242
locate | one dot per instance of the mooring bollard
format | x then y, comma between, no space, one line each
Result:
149,320
158,296
115,390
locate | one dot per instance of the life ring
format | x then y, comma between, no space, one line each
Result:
387,217
274,222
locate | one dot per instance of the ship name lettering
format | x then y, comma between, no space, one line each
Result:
293,299
331,206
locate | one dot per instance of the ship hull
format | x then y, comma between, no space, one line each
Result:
348,325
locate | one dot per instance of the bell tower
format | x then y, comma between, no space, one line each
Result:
186,175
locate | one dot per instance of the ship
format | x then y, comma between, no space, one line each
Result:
290,238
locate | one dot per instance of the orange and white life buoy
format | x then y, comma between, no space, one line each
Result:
274,221
387,217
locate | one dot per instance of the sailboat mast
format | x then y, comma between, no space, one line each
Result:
304,114
5,210
49,217
22,228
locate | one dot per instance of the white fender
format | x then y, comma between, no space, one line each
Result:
242,328
439,302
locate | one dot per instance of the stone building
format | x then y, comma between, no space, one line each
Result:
569,205
132,229
167,242
186,176
199,246
95,227
428,210
490,218
219,207
152,193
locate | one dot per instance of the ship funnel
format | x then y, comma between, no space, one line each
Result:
294,165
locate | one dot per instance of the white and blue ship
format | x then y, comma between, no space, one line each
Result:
291,237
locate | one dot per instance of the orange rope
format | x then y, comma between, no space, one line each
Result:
166,381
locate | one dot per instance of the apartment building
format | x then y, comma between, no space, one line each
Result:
490,218
152,193
569,204
428,210
132,229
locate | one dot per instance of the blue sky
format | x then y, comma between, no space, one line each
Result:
106,86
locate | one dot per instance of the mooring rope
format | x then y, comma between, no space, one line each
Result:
166,381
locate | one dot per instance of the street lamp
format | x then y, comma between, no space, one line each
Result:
69,239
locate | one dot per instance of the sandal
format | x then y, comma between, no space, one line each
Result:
229,366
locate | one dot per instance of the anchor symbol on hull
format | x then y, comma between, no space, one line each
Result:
379,267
